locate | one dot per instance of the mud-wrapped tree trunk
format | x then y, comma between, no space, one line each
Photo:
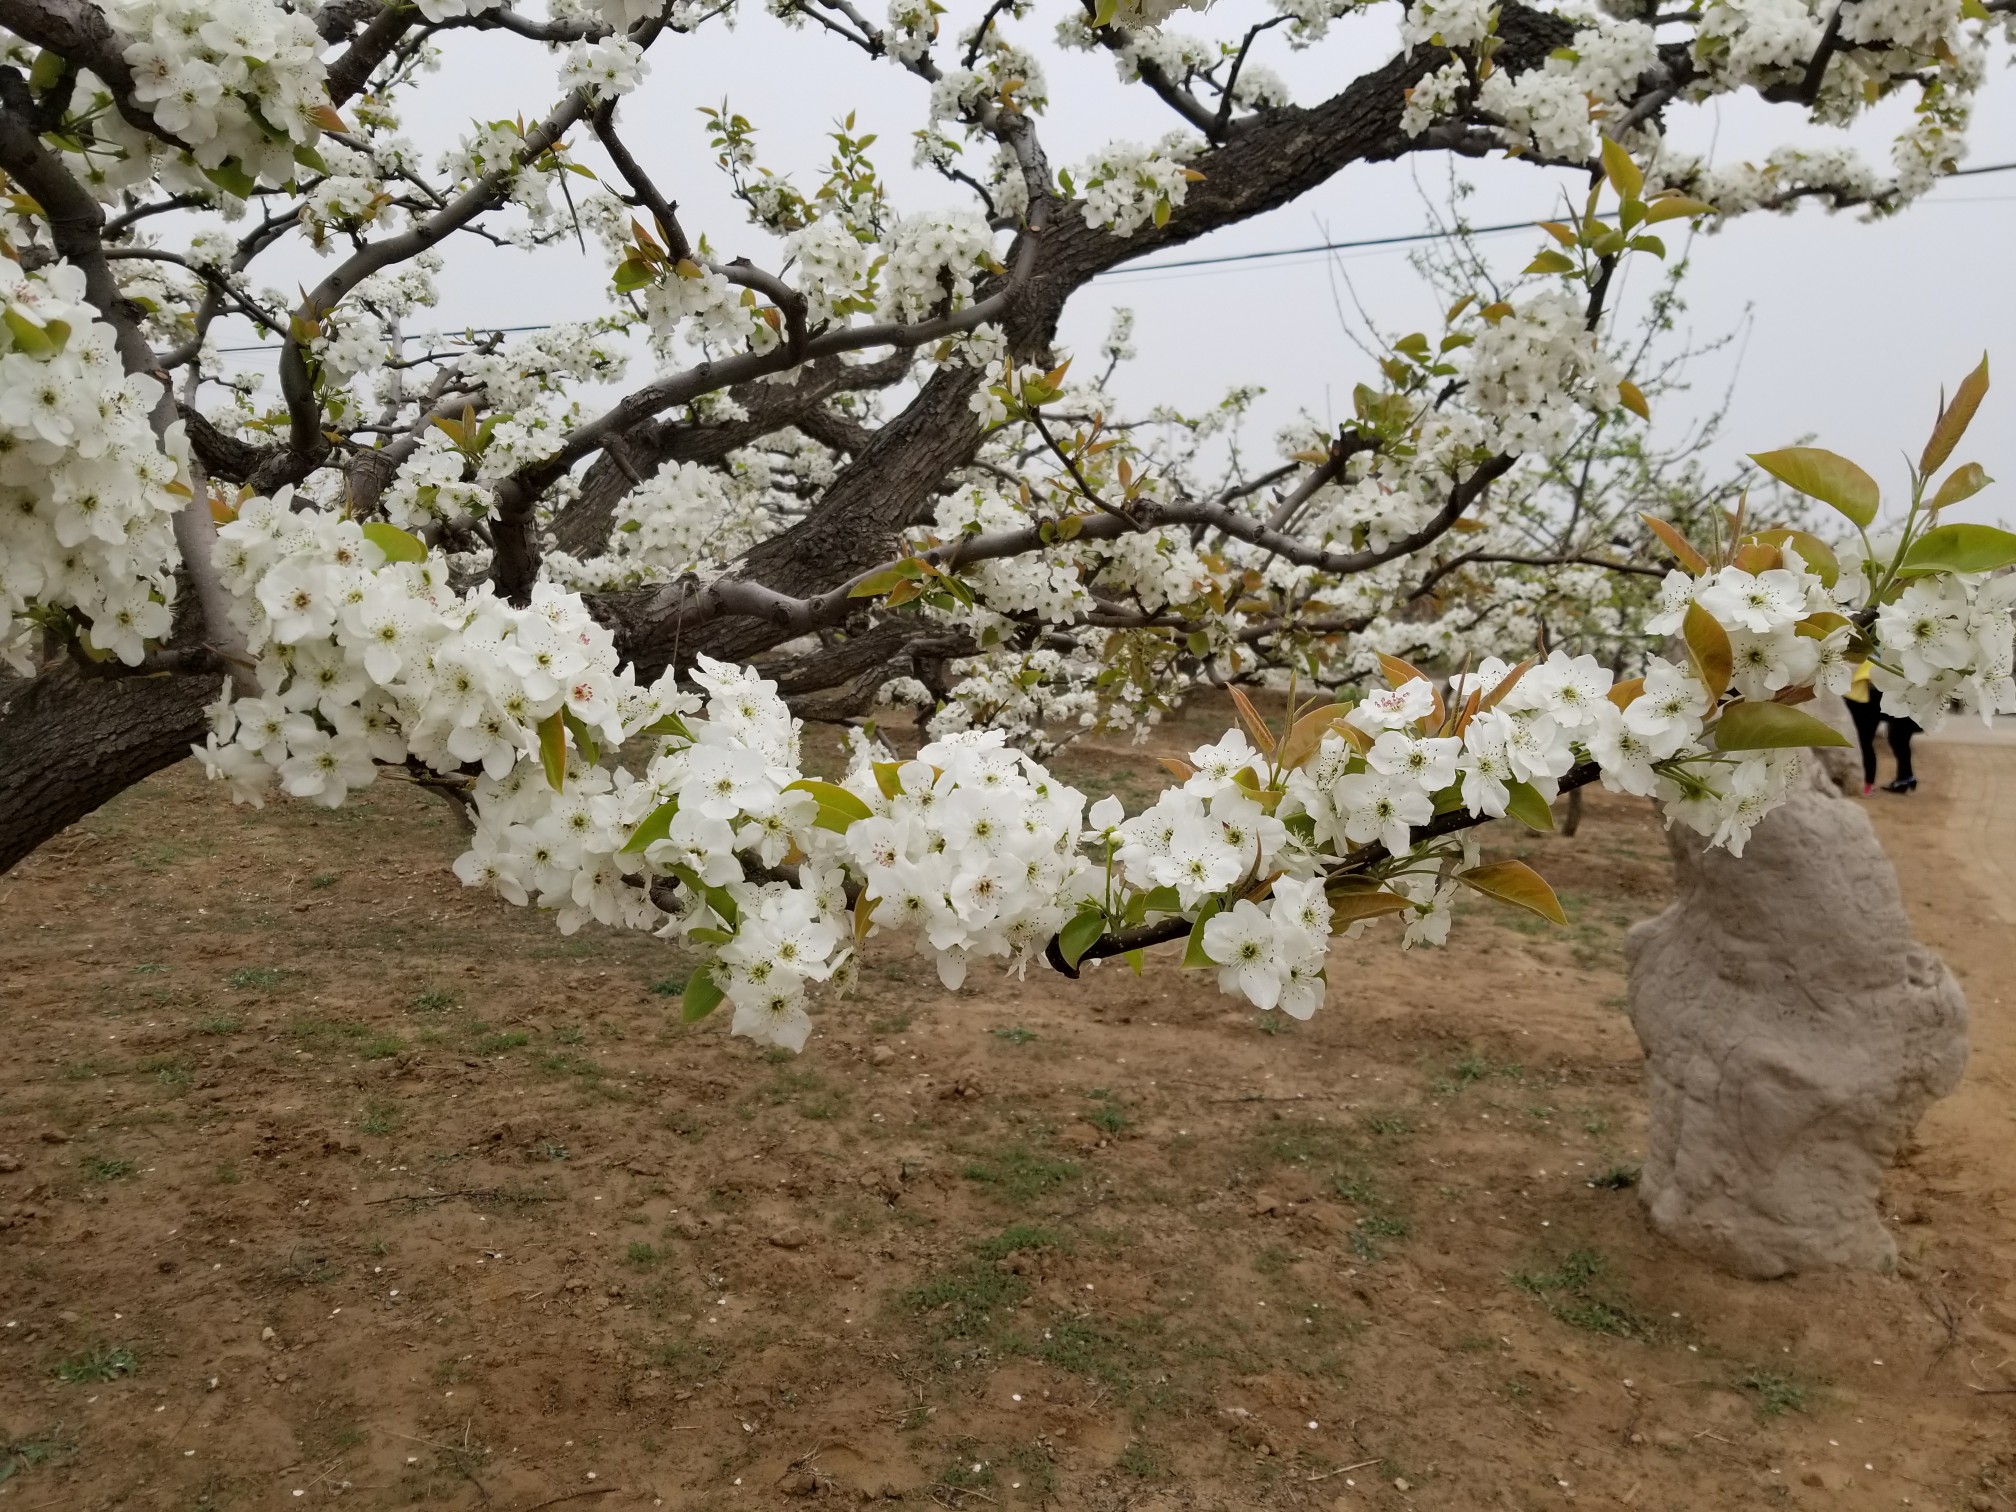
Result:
1794,1034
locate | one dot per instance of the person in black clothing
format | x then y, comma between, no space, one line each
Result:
1901,731
1868,714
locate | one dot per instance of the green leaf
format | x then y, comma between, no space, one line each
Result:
633,274
1961,548
1674,208
1080,935
1965,481
1516,883
48,71
553,750
231,177
584,738
1709,650
1551,261
702,997
1525,804
1823,475
1815,553
656,826
1351,904
838,808
1754,726
888,777
1625,176
718,898
1194,957
397,545
28,336
1954,419
879,583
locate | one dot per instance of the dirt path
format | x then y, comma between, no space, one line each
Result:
323,1180
1954,846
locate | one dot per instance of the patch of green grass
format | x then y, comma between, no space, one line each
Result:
1016,1238
1473,1067
259,978
1369,1230
17,1455
1272,1260
1276,1023
1577,1292
498,1042
223,1023
1776,1394
671,986
383,1047
1140,1461
551,1150
1016,1035
1020,1173
642,1255
1389,1125
309,1270
962,1301
322,879
102,1362
1615,1178
892,1023
1107,1115
434,1000
1299,1141
381,1116
107,1168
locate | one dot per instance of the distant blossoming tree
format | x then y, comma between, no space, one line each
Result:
849,470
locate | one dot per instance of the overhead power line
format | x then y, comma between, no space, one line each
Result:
1394,241
1242,257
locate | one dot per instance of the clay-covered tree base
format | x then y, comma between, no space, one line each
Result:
1794,1034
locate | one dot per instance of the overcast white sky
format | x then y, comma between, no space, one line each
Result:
1855,325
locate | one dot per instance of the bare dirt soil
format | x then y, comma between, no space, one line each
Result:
322,1179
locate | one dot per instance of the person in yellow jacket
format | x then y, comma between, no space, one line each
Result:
1866,709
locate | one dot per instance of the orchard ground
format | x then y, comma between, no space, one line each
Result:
324,1180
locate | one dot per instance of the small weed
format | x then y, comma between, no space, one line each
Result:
552,1151
434,1000
383,1047
642,1255
892,1023
1138,1460
569,1034
17,1455
309,1270
1276,1023
103,1362
227,1174
107,1168
322,879
1365,1236
1616,1178
1108,1117
259,978
222,1024
1272,1260
381,1116
1014,1036
671,986
502,1040
1475,1067
1016,1238
148,968
1389,1125
1574,1294
1018,1172
1595,1124
1776,1394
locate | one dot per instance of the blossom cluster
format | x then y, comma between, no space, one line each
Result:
1126,187
232,80
87,496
